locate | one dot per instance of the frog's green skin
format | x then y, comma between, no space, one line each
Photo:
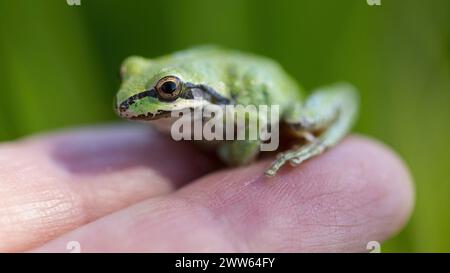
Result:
222,76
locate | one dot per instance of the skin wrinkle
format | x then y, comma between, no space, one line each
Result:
206,221
305,198
227,229
157,181
35,210
319,240
325,232
40,216
230,195
109,191
291,225
378,196
219,200
309,177
336,192
227,201
335,217
77,212
52,226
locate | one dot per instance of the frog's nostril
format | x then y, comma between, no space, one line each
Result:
125,105
122,110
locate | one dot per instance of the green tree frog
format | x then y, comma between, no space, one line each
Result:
152,89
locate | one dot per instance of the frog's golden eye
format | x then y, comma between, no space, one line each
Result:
169,87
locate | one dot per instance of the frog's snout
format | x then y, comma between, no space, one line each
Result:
124,112
122,109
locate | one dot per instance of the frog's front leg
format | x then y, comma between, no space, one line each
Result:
239,152
246,146
324,119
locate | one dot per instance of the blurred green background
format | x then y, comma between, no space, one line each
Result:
59,67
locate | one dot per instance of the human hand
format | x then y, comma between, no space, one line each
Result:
128,188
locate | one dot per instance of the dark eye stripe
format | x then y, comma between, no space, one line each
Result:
213,96
131,100
216,98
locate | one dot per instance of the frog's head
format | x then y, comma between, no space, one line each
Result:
152,90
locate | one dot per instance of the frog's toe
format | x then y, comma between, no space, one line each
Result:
295,162
276,165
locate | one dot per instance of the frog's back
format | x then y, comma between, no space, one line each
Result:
249,79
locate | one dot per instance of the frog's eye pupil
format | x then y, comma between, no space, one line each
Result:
169,87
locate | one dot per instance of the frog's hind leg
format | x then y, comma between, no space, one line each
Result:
324,119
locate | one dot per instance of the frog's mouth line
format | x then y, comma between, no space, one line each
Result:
151,116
